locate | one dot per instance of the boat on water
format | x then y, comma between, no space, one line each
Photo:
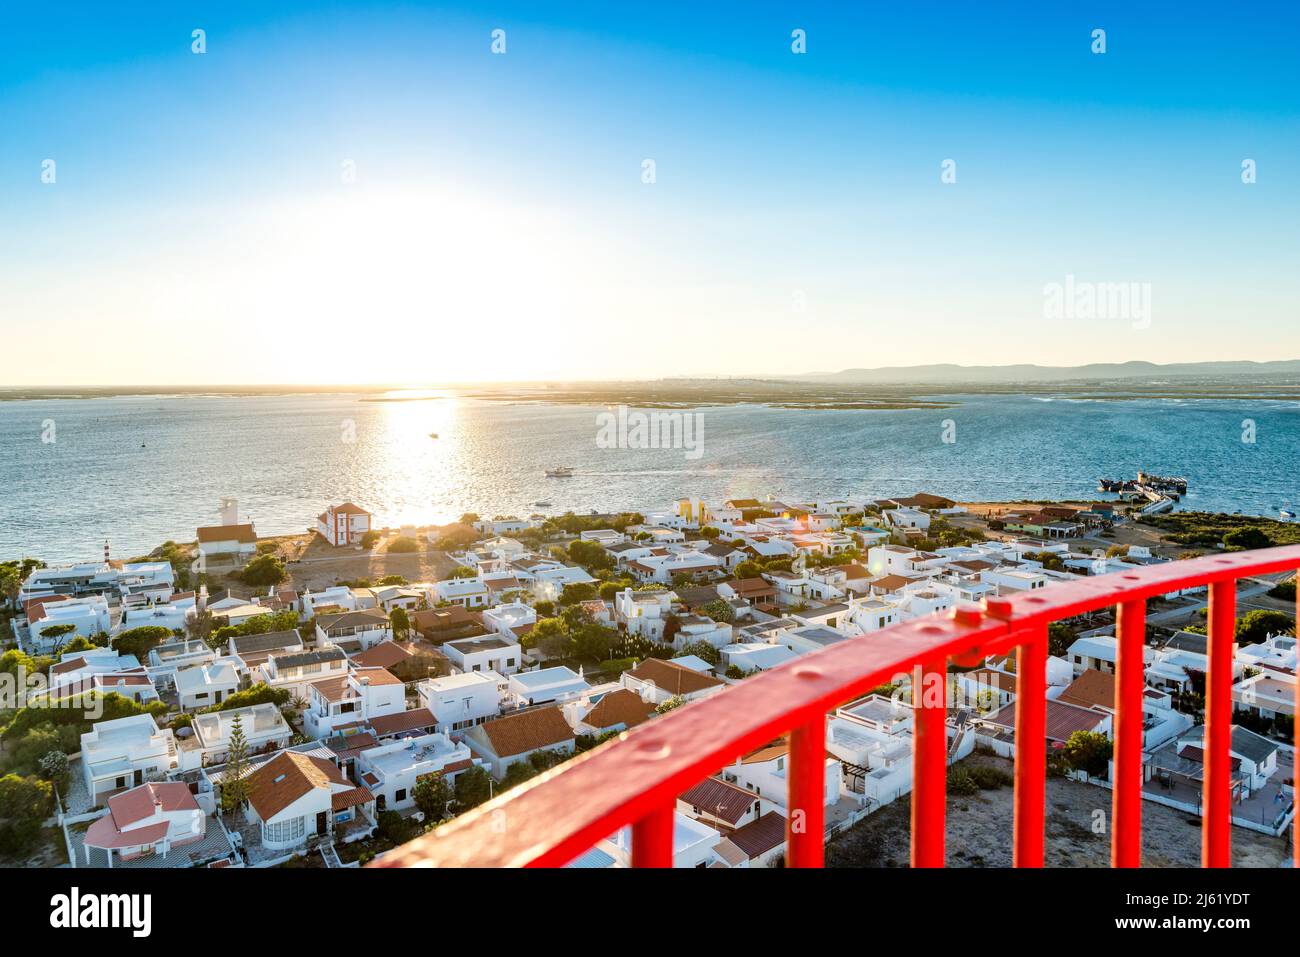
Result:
1286,513
433,435
562,471
541,505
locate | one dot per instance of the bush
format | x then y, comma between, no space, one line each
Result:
701,649
403,544
735,671
263,570
961,783
990,778
1284,589
370,539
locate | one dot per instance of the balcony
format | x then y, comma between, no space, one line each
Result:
635,779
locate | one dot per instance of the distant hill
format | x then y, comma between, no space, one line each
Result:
950,373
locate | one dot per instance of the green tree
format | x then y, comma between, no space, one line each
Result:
432,794
1059,638
719,610
577,592
590,555
551,638
748,569
1257,625
1240,539
473,787
401,622
234,789
1088,751
58,633
263,570
463,571
140,641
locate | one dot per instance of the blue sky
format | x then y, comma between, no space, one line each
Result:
199,229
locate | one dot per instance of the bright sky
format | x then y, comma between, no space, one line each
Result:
200,230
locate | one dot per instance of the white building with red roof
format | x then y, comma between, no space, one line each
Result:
343,524
151,819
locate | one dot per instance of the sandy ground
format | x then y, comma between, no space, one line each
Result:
315,564
979,831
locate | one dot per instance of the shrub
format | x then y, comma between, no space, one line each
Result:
990,778
370,539
960,783
403,544
263,570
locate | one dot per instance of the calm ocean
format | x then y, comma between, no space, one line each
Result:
140,470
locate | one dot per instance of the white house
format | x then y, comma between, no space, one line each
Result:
484,653
466,592
150,819
263,726
546,685
295,671
643,613
363,694
225,545
87,616
205,685
126,752
755,656
505,741
658,680
512,619
343,524
765,773
365,628
392,770
464,700
296,796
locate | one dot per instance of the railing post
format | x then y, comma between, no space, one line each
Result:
805,825
929,762
652,839
1216,809
1031,747
1130,680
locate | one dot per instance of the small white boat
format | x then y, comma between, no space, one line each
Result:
562,471
433,435
541,505
1287,513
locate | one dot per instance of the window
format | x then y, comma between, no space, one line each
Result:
282,832
400,794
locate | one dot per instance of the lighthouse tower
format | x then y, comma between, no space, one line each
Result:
229,511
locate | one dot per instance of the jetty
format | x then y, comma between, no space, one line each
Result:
1161,492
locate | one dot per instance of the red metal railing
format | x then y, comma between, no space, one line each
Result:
635,779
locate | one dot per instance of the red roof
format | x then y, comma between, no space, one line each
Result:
413,720
110,831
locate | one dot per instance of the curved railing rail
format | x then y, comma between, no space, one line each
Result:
635,779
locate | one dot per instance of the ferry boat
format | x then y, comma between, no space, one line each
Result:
562,471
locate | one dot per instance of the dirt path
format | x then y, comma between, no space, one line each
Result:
980,827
